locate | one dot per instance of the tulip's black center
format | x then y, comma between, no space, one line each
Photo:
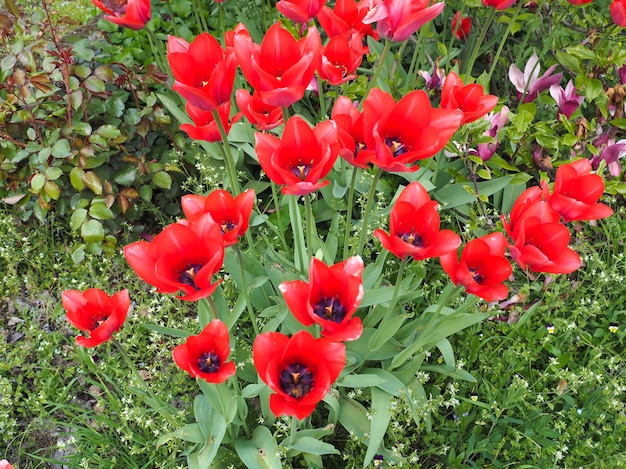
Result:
330,309
359,147
228,226
301,170
116,6
188,276
396,146
98,320
296,380
412,238
478,278
209,362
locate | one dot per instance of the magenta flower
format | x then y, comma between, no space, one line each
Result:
397,20
611,153
567,99
498,120
529,84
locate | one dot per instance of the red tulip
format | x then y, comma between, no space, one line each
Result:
132,14
204,126
280,68
231,214
300,370
204,72
345,16
340,58
498,4
204,355
301,158
576,192
414,227
350,128
471,99
461,26
400,134
618,12
579,2
530,203
4,464
300,11
96,314
482,267
329,299
180,258
397,20
262,116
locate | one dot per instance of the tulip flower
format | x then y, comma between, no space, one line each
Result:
612,152
530,203
579,2
461,26
280,68
204,126
498,4
204,355
340,58
300,11
471,99
329,298
132,14
4,464
401,133
230,213
482,267
350,127
261,115
414,227
576,192
96,314
300,370
529,84
434,81
181,258
397,20
345,16
618,12
204,72
567,99
301,158
497,121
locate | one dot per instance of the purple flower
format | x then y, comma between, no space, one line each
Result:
567,99
611,153
497,120
529,84
434,82
621,72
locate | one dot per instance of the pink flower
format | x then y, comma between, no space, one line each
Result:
528,83
498,4
399,19
498,120
567,99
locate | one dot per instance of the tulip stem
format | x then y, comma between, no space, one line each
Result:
320,91
379,67
279,218
470,63
366,212
244,289
295,218
309,225
396,288
228,156
200,21
157,52
348,230
172,16
501,46
293,430
244,424
447,295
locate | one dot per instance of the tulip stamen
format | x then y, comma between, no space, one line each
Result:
209,362
188,275
301,170
397,147
330,309
412,238
296,380
478,278
228,226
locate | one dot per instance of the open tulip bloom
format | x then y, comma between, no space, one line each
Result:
397,20
132,14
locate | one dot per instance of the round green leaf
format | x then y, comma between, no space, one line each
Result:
53,173
92,181
162,180
61,149
101,212
37,182
94,84
76,178
108,132
92,231
52,190
78,218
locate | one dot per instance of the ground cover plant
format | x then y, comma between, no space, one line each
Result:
313,234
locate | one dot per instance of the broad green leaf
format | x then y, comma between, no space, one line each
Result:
381,408
108,132
126,176
100,211
92,231
221,397
37,182
76,178
386,331
78,218
94,84
453,372
93,182
52,190
190,432
306,444
162,180
353,417
260,451
360,381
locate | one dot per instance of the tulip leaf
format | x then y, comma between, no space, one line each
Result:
381,409
190,432
213,428
372,272
221,397
386,331
295,217
167,330
447,353
390,383
360,381
174,109
307,444
451,371
353,417
260,451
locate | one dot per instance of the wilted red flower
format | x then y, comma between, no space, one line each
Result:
329,299
204,126
301,158
618,12
280,68
576,192
397,20
346,15
132,14
300,369
180,258
95,313
300,11
263,116
482,267
231,214
340,58
498,4
414,227
350,127
204,72
403,133
471,99
204,355
461,26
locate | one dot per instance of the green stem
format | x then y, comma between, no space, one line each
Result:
348,230
378,69
396,288
470,63
447,296
200,21
501,46
295,218
293,430
244,424
309,225
366,212
212,308
285,115
320,89
228,156
410,78
157,52
244,288
172,16
279,218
